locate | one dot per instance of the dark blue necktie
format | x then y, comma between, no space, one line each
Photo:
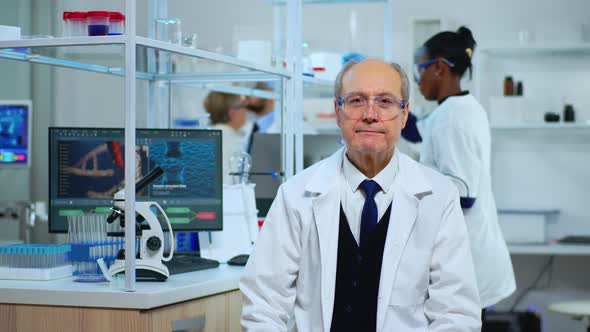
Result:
255,129
369,214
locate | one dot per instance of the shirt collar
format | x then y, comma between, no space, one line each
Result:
462,93
385,178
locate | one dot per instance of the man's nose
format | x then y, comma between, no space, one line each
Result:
371,113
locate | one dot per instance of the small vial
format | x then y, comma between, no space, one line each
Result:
77,23
98,23
66,25
116,24
508,86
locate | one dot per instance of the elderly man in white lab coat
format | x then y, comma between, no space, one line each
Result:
368,239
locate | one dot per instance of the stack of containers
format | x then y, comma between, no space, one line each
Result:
93,23
116,24
35,261
98,23
74,24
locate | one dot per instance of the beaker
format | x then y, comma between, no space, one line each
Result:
169,30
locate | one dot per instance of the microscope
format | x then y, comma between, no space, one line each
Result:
148,262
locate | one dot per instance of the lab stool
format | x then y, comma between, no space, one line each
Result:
574,309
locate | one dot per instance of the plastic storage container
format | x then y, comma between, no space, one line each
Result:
74,24
116,24
66,25
78,24
98,23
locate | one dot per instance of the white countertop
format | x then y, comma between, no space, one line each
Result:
148,295
572,308
549,249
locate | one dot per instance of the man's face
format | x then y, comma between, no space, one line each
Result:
371,133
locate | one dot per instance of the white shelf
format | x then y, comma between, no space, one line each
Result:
543,126
529,212
220,58
238,90
549,249
536,49
282,2
318,81
62,41
9,50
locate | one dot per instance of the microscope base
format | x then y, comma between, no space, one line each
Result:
143,271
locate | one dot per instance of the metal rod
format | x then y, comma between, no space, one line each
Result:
130,49
387,32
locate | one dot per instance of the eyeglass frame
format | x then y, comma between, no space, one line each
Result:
426,64
401,103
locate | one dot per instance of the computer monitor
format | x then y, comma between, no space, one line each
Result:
86,167
15,130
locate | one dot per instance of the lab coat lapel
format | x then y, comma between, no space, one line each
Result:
326,207
410,188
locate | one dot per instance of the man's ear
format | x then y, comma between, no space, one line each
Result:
337,110
405,113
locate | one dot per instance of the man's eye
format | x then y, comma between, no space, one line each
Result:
386,101
356,101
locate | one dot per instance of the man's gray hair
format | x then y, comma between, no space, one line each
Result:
395,66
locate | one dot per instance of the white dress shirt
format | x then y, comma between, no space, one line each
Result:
353,198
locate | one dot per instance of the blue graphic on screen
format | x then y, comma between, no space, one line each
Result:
178,179
14,140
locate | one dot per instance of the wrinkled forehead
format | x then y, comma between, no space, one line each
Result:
372,79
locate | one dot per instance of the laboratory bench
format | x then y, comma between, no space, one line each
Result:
207,300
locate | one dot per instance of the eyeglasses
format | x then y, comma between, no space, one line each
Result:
355,105
419,67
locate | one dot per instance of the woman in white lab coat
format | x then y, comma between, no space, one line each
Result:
456,142
228,113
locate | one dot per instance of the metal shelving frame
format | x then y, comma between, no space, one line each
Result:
158,84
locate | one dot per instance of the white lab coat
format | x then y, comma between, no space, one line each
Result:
427,279
456,142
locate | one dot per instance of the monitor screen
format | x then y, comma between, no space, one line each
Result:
86,168
14,133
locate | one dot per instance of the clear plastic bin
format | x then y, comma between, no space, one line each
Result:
116,23
98,23
78,24
74,24
66,25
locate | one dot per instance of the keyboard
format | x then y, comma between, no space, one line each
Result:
575,239
189,263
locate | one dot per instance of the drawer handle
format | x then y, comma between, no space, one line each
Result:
186,324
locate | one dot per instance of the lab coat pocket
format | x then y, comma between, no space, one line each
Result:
404,314
406,298
412,278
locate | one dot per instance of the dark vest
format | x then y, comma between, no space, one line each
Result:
357,277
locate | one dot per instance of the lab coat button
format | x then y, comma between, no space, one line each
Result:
354,283
359,258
